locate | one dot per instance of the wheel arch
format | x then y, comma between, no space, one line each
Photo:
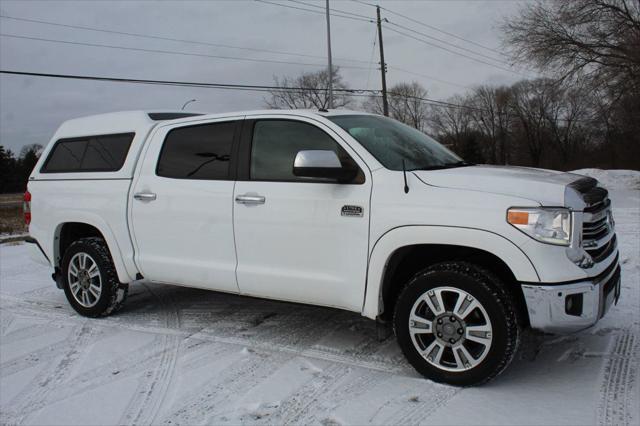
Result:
403,251
84,227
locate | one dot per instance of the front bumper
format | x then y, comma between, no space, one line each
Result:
569,307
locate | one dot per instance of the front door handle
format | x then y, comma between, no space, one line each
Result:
250,199
145,196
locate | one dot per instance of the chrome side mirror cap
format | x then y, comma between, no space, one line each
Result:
316,159
321,164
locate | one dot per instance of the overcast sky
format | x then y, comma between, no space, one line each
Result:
32,108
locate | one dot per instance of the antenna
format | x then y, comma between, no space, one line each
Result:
404,172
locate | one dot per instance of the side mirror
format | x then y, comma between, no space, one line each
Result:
322,164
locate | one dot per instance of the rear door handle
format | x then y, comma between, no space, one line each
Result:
145,196
250,199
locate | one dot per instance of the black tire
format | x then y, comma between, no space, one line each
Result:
498,304
112,294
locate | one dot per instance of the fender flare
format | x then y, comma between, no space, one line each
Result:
403,236
101,225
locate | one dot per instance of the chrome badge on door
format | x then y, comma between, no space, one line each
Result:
354,211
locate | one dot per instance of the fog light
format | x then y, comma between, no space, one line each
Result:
573,304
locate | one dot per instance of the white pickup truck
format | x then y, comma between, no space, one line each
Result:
340,209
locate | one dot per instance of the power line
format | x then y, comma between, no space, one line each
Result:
473,52
431,78
173,52
333,10
247,87
165,38
227,86
373,51
313,11
434,28
454,45
368,68
400,69
454,52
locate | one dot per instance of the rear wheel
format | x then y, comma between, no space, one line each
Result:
90,280
456,324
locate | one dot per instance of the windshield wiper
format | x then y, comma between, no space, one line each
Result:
445,166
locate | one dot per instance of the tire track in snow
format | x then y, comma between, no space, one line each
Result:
28,332
308,395
126,365
280,342
148,397
339,385
5,322
33,397
417,412
217,396
617,389
319,352
33,358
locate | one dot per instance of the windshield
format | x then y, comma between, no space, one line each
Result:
390,142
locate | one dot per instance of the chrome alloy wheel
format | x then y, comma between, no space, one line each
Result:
450,329
84,280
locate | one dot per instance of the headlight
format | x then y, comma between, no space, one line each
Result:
549,225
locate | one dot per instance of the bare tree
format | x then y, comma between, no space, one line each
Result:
599,39
568,112
310,90
34,148
492,115
596,43
406,104
453,123
530,103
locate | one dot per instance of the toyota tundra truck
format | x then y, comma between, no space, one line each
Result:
331,208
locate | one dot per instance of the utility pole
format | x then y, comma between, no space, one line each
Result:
329,55
383,67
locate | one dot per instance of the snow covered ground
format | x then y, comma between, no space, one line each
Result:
182,356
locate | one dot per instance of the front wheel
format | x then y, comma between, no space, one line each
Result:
456,324
90,280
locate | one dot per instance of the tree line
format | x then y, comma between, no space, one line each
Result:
585,112
15,171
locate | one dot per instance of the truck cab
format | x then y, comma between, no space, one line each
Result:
332,208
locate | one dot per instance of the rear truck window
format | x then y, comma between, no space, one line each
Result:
99,153
197,152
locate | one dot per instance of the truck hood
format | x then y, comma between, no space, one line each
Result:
547,187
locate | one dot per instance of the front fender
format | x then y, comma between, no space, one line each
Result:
403,236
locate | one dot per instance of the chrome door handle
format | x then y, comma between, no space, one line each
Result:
145,196
250,199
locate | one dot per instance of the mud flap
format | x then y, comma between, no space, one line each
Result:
57,277
383,329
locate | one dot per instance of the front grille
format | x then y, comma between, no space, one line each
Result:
596,230
601,253
598,237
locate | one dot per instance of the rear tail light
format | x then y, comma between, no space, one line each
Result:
26,207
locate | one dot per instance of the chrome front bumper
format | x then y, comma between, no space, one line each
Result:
565,308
